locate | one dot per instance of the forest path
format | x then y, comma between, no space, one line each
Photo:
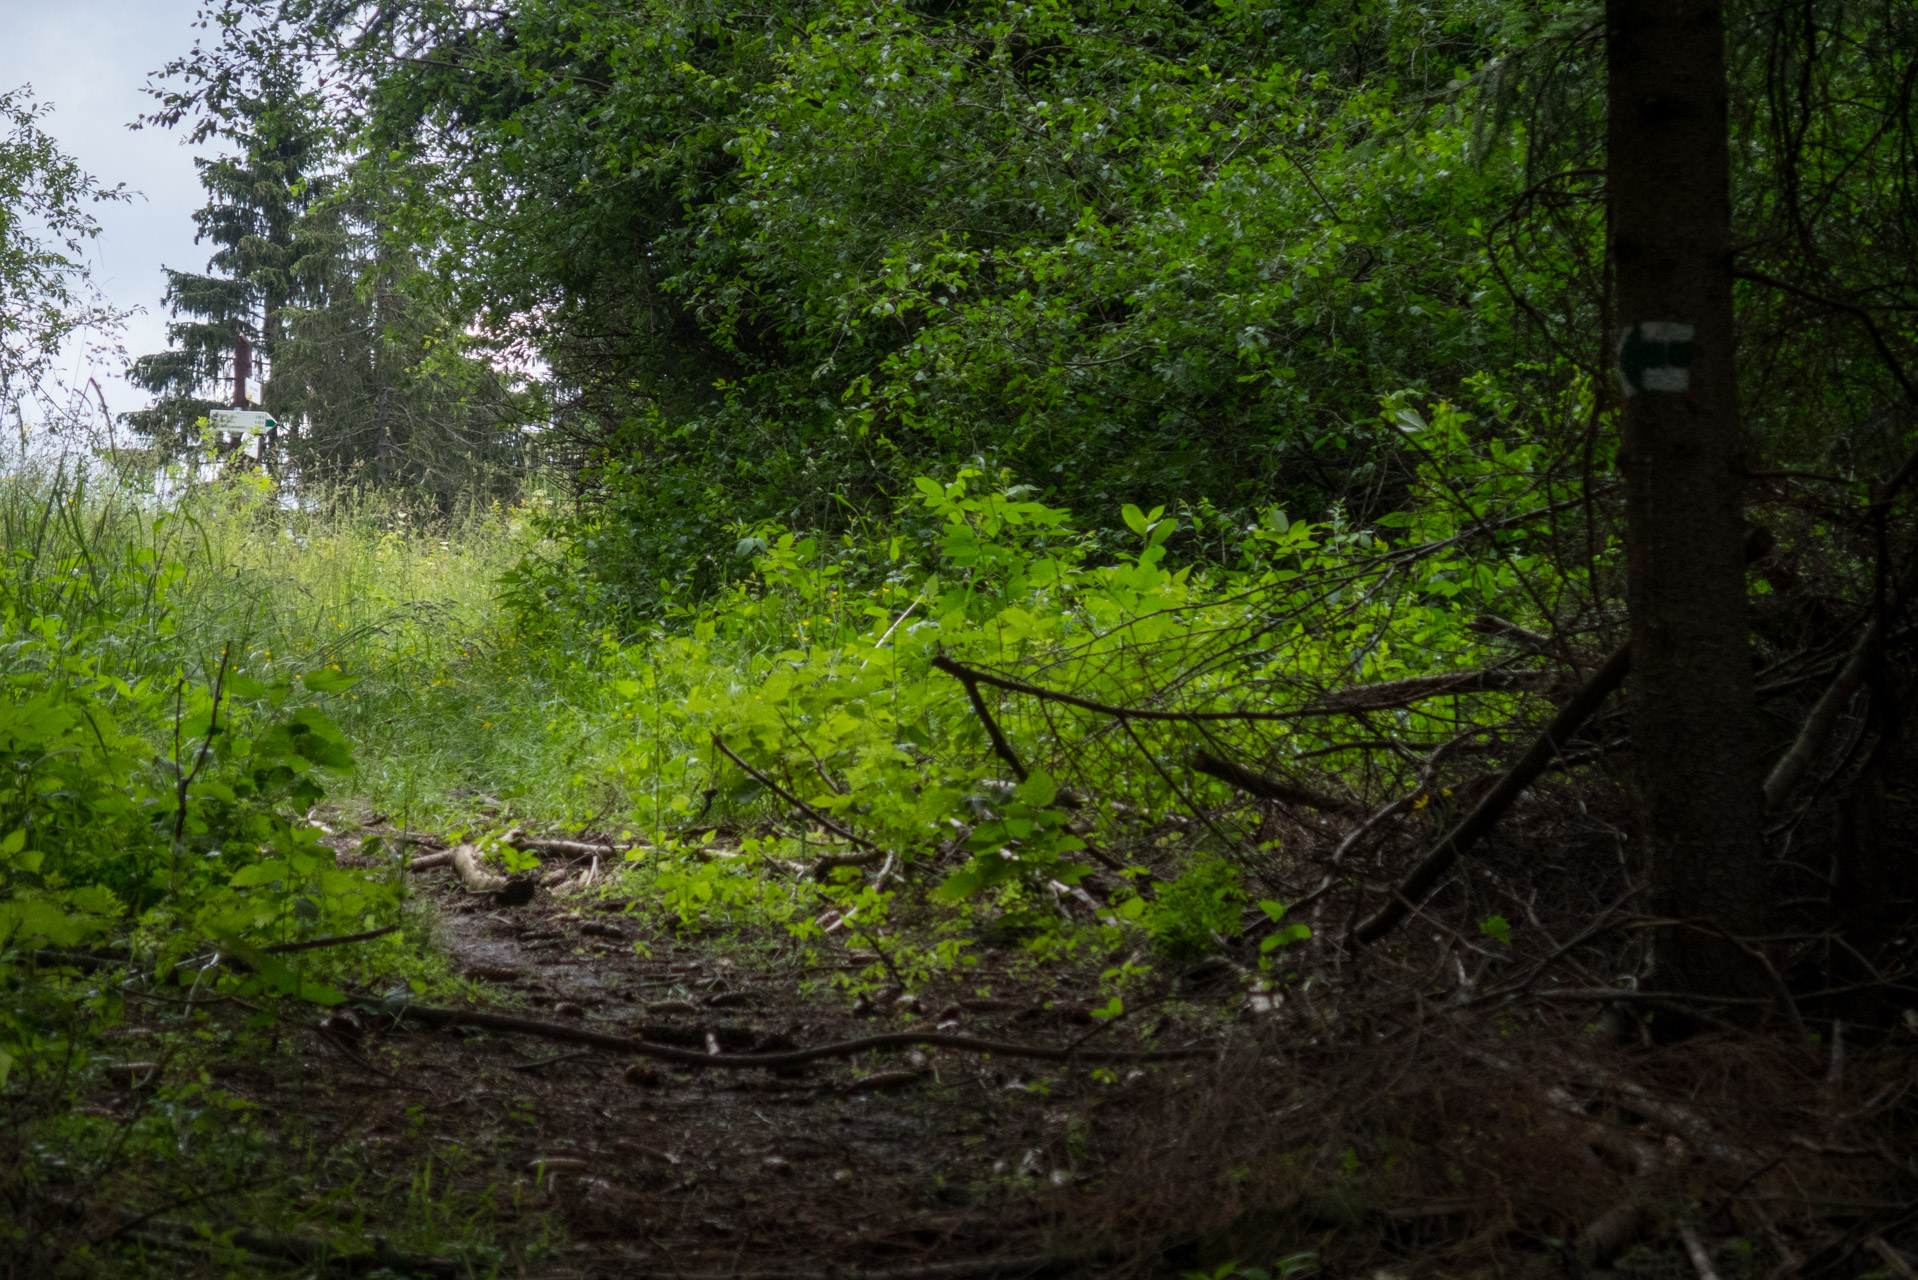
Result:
923,1164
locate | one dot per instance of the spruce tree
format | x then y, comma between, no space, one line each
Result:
257,199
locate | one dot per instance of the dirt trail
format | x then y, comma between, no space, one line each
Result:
876,1164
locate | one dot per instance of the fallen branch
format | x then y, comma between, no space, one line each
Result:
258,1244
1892,1258
1824,715
1266,788
555,847
963,672
873,852
415,837
966,1270
1376,697
547,1062
548,846
1000,747
339,940
894,1040
1695,1250
1398,693
1484,815
1490,624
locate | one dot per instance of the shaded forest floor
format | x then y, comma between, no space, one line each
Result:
519,1155
369,1142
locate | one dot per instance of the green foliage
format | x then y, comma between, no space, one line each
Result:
156,768
782,262
368,381
1193,911
817,670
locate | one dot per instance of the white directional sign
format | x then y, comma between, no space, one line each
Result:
250,424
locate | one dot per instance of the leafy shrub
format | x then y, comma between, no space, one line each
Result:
1190,914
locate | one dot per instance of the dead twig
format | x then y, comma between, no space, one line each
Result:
1000,747
966,1270
1696,1251
556,1058
1892,1258
1825,713
1398,693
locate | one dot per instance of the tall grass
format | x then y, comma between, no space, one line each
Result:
400,594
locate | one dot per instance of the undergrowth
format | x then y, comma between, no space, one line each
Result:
972,730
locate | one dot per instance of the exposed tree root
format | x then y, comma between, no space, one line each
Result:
888,1041
1016,1266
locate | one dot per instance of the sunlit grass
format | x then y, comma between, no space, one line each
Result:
453,703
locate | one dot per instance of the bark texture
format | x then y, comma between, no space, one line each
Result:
1694,715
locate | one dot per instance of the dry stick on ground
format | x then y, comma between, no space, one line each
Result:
873,853
791,1058
293,1248
970,1269
551,846
1695,1249
1484,815
555,847
1892,1258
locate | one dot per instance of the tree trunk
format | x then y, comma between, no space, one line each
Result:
1694,717
242,369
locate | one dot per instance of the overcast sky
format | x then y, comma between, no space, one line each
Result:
89,58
